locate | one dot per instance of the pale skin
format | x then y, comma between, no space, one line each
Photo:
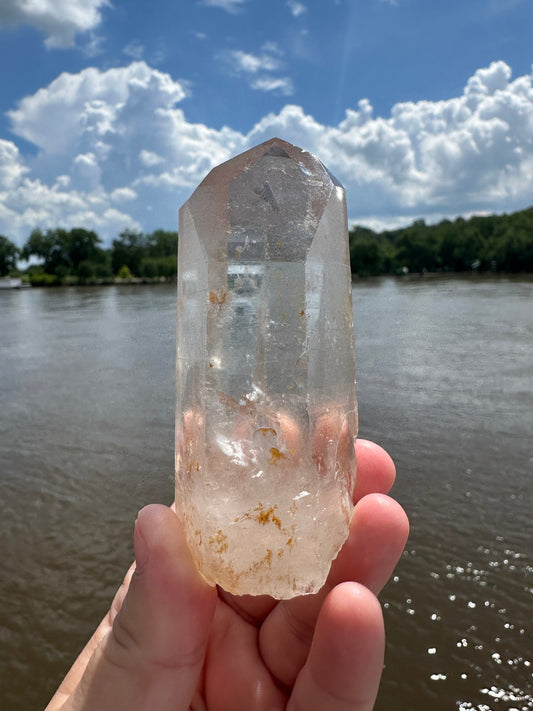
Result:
171,642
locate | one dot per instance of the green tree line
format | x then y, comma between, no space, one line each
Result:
77,256
498,243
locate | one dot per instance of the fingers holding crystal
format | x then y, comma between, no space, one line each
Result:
376,540
376,472
345,660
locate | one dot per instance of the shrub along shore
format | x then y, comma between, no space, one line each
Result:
494,243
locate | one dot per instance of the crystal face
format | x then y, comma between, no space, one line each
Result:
266,412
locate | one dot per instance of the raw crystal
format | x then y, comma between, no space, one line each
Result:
266,408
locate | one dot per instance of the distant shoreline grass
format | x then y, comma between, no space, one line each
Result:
408,277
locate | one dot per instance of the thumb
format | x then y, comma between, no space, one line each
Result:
153,655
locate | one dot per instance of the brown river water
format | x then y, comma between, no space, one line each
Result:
445,379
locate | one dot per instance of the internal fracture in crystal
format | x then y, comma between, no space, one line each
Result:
266,412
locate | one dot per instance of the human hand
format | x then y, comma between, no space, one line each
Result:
170,642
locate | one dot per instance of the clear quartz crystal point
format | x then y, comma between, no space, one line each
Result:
266,412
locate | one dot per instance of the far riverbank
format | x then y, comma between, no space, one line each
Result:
472,276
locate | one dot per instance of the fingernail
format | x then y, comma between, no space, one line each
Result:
141,549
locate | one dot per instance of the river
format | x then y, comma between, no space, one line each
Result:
445,383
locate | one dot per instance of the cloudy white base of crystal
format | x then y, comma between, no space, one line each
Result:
262,512
266,410
269,547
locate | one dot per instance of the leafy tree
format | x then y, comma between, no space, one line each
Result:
124,273
128,250
416,249
85,272
161,267
162,244
366,252
50,246
64,251
9,253
513,252
459,249
38,277
83,246
151,255
149,268
101,265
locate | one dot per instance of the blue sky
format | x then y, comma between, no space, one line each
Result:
112,112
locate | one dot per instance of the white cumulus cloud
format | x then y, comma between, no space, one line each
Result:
88,108
115,150
231,6
59,20
283,85
253,63
123,194
107,141
296,8
11,167
470,153
258,68
134,49
149,159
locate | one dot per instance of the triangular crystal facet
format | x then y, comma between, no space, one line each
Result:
277,151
